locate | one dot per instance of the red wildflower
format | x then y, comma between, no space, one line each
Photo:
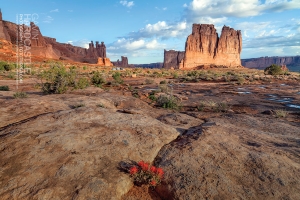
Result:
153,183
145,167
153,169
133,170
141,163
160,172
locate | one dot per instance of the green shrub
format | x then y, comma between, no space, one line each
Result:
274,70
98,79
4,88
149,81
117,77
163,82
152,97
5,66
78,105
82,83
168,102
20,95
58,80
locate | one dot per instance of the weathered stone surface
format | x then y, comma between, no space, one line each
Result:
263,62
122,63
204,48
233,159
173,59
76,153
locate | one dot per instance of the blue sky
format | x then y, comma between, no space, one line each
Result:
141,29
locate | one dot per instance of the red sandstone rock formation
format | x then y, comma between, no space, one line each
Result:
122,63
204,48
263,62
173,59
46,47
104,62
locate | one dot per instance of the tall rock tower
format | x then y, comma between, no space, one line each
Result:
3,31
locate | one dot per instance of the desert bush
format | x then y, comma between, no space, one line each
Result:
168,102
117,77
82,83
20,95
175,75
98,79
149,81
4,66
164,88
274,70
163,82
4,88
58,80
213,106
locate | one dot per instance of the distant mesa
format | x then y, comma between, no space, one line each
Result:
204,48
263,62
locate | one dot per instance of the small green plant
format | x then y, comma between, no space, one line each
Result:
117,77
144,173
280,113
84,68
5,66
149,81
4,88
101,105
152,97
20,95
163,82
168,102
274,70
175,75
82,83
98,79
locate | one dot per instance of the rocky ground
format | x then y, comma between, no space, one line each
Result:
75,145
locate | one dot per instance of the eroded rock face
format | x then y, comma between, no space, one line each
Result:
104,62
75,154
47,47
204,48
172,59
122,63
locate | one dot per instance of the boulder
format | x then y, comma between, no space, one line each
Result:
75,154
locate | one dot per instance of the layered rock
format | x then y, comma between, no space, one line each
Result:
263,62
172,59
122,63
204,48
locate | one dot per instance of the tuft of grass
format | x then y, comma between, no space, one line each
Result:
280,113
20,95
101,105
4,88
213,106
149,81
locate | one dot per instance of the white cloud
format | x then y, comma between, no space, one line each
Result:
185,5
165,8
55,10
161,30
236,8
127,3
48,19
80,43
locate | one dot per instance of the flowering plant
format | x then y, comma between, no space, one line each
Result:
143,173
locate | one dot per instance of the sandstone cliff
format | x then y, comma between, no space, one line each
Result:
204,48
46,47
263,62
172,59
